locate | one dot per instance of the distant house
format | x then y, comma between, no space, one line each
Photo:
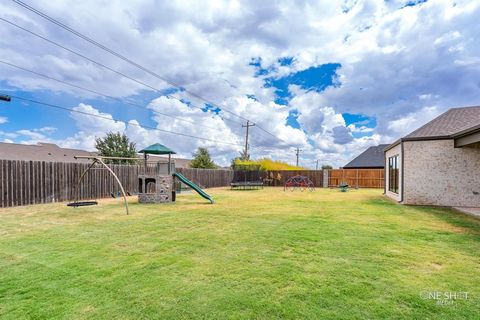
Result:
179,162
372,158
439,163
41,152
52,153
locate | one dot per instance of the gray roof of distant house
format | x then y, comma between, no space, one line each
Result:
41,152
448,125
371,158
52,153
179,162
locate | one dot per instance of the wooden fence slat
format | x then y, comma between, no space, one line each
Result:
362,178
2,190
29,182
10,184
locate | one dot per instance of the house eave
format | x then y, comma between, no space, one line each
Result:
393,145
467,139
396,143
466,132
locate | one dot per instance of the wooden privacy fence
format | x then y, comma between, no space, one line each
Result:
208,178
357,178
34,182
277,178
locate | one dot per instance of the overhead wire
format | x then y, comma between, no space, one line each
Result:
117,72
103,94
141,67
105,66
46,104
120,56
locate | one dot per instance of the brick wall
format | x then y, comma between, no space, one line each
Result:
436,173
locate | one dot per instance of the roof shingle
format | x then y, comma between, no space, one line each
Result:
371,158
449,123
52,153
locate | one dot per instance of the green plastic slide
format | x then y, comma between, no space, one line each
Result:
192,185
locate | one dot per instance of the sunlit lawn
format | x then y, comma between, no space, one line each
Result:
260,254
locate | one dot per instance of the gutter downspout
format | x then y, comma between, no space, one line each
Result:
385,172
402,173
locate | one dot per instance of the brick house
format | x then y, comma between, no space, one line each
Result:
439,163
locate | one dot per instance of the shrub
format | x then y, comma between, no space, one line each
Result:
263,164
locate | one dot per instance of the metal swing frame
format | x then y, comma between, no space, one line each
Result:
99,159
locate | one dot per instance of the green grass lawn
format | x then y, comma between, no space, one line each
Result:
261,254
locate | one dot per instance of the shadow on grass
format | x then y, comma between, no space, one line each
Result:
452,217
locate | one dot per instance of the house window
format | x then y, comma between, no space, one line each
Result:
393,174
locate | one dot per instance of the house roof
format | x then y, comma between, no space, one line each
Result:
179,162
371,158
157,148
448,125
41,152
52,153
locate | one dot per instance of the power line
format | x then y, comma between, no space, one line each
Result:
259,127
117,120
102,94
122,57
121,100
104,66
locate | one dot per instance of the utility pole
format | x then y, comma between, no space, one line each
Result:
297,153
248,125
316,165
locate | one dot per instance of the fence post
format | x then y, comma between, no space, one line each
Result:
357,178
325,178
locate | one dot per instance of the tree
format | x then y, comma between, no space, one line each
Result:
244,155
234,161
326,167
116,145
202,160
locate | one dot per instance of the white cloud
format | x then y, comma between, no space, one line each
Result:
3,120
31,134
100,122
408,123
360,129
47,130
397,62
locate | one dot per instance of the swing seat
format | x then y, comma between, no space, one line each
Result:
82,203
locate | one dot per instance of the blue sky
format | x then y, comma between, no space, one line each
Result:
330,79
315,78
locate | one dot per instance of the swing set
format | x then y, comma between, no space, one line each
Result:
98,160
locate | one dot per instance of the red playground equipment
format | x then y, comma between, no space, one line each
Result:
298,182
